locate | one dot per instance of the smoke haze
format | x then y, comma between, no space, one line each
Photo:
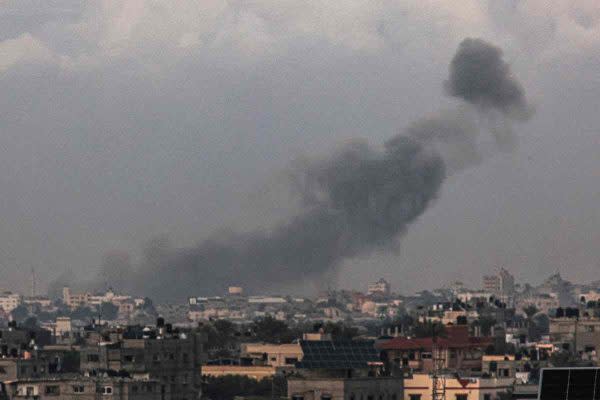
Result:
123,121
355,201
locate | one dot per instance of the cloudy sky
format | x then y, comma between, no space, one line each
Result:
124,120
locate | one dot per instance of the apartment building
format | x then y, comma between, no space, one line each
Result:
9,301
82,388
420,387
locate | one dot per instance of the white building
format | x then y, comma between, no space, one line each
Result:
9,301
380,287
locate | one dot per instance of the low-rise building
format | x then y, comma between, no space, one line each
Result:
275,355
458,350
420,387
83,388
9,301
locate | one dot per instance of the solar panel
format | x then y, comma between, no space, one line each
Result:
337,355
570,384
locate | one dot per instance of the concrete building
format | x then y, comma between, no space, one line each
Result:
257,372
381,287
9,301
545,303
501,284
82,388
458,350
275,355
174,359
420,387
577,334
332,388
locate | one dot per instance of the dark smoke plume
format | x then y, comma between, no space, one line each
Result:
480,76
358,200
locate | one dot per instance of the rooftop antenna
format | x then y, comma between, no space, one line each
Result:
438,379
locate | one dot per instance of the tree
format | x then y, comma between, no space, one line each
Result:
268,329
340,331
230,386
82,313
486,324
530,311
30,322
108,311
20,313
428,329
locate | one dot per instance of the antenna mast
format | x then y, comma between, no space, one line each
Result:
438,379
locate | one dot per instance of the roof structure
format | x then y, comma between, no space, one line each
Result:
328,354
456,337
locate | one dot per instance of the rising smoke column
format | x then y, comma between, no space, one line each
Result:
354,201
357,200
479,76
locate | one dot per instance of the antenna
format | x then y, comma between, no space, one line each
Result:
438,379
32,282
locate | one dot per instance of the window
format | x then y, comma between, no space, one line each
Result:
297,397
414,397
325,397
156,358
53,390
487,396
291,360
30,391
78,389
129,358
106,390
134,388
2,370
93,358
461,397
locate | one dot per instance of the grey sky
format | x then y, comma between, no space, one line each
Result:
123,120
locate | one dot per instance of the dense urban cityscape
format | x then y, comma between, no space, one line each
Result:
462,343
299,200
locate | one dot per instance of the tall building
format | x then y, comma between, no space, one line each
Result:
381,287
501,284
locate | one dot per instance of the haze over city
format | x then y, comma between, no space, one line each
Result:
133,128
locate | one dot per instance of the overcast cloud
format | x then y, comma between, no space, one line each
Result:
124,120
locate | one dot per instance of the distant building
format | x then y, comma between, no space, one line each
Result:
501,284
381,287
276,355
9,301
235,290
420,386
579,335
458,349
342,370
83,388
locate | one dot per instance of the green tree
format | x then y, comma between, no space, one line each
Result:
530,311
230,386
82,313
268,329
108,311
340,331
485,324
30,322
20,313
428,329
